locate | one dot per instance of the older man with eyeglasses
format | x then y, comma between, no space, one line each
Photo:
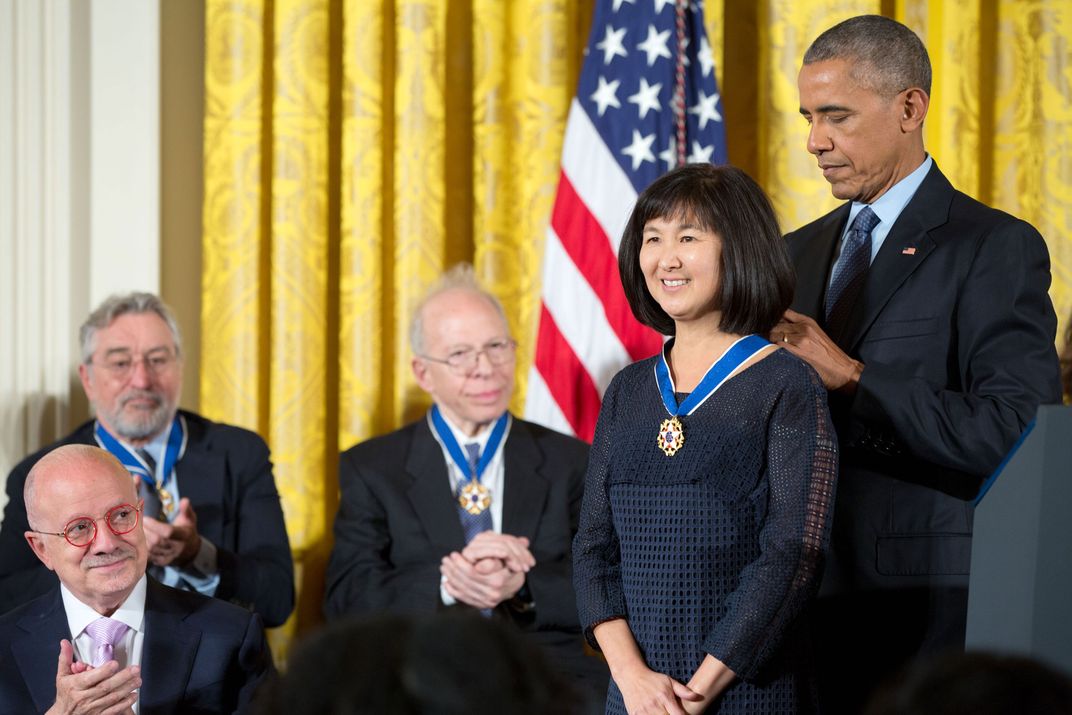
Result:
467,505
213,520
108,639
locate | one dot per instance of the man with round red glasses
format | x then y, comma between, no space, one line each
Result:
211,514
125,641
82,530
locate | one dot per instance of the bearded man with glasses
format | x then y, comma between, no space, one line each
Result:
212,516
468,506
125,643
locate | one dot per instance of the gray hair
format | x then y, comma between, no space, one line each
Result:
29,497
460,277
886,56
117,305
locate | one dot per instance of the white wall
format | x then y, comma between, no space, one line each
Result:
79,194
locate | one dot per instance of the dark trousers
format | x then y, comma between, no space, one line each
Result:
862,639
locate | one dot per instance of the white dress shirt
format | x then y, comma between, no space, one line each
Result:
888,208
492,478
131,612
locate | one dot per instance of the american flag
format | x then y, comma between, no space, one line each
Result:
625,129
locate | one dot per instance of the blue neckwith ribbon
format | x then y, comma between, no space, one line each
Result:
455,450
128,456
737,354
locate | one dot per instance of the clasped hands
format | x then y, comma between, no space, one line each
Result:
84,690
175,543
647,692
489,570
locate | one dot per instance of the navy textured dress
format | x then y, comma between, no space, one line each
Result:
718,548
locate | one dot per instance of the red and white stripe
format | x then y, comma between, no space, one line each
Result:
586,330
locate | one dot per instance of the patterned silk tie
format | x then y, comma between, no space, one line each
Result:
152,507
105,633
472,524
851,272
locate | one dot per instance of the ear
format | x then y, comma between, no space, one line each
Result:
914,109
420,373
87,385
38,545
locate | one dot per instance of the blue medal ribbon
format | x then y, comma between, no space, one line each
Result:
129,457
455,450
737,354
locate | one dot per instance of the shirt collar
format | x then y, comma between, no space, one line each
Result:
462,438
158,444
890,205
131,611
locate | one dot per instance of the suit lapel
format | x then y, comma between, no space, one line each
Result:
430,491
198,475
525,489
168,651
928,209
813,264
36,652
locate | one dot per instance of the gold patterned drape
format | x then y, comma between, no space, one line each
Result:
1000,120
353,149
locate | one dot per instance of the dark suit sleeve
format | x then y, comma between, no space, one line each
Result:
551,582
257,569
1006,365
22,576
597,575
254,663
361,578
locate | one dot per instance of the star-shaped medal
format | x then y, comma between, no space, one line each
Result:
671,436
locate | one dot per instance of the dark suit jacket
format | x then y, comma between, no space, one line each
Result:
199,655
397,519
956,332
226,474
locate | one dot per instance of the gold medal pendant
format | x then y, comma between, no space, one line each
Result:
474,497
671,436
167,504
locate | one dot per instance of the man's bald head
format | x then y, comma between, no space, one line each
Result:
72,484
68,464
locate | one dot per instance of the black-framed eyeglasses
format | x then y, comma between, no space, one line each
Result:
121,365
81,530
464,360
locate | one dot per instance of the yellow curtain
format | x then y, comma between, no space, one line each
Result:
355,149
1000,121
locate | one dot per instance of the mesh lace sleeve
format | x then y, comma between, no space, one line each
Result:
800,478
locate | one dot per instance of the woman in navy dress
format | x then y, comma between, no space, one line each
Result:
710,484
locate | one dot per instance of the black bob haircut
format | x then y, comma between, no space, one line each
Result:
756,277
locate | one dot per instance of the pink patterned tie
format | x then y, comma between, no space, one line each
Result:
105,632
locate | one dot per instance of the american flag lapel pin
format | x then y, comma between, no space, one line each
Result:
909,250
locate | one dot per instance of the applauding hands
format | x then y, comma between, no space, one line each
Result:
83,690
